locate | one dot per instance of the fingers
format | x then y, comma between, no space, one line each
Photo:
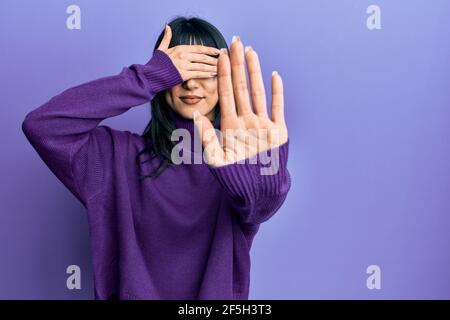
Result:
201,67
213,150
196,65
164,45
202,58
199,49
277,104
239,78
206,67
257,90
225,87
199,75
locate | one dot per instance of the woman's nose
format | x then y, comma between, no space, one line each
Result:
191,84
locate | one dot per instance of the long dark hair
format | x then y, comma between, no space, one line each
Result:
185,31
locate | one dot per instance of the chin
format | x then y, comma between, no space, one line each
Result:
187,112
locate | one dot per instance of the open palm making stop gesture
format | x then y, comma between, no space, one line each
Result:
245,131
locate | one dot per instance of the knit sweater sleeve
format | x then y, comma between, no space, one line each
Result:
65,130
257,190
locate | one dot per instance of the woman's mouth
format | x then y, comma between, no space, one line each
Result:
191,99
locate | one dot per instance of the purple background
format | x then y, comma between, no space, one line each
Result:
369,121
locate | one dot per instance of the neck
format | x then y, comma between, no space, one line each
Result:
184,123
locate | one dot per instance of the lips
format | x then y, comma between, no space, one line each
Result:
191,99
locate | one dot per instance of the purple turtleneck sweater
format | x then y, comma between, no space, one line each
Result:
185,234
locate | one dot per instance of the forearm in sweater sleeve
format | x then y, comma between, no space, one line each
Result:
256,197
65,130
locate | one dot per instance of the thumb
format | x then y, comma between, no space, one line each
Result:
164,45
213,150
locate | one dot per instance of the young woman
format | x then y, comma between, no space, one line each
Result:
161,230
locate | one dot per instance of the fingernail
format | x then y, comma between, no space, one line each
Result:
224,51
274,73
217,51
213,74
235,38
247,48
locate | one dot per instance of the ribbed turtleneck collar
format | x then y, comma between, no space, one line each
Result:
181,122
195,146
188,124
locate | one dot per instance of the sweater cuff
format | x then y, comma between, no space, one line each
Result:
160,72
262,175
